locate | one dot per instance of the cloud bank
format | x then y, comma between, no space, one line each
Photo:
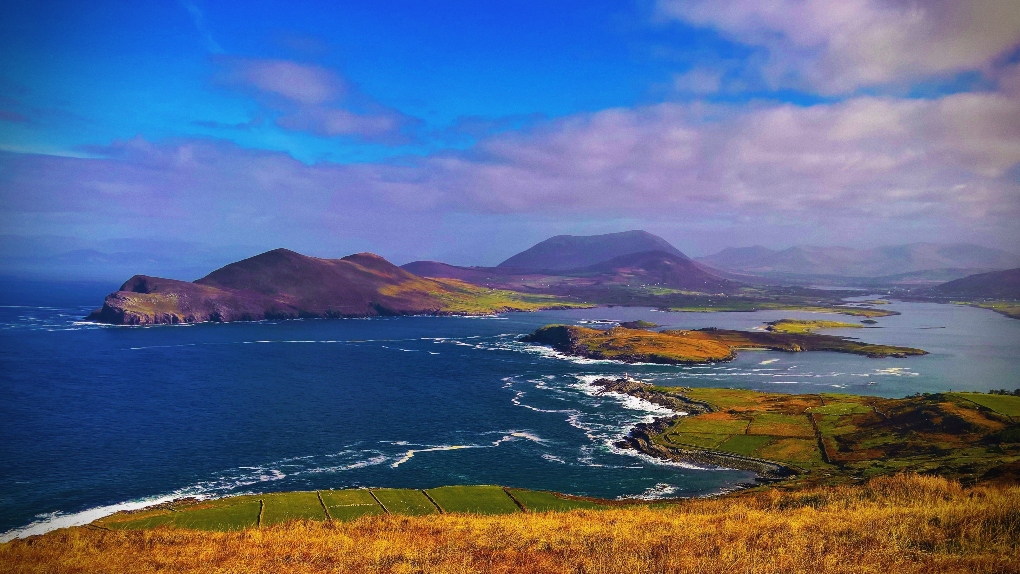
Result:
838,47
869,161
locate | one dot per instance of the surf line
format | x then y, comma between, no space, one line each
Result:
509,437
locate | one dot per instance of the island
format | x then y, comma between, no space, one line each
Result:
679,347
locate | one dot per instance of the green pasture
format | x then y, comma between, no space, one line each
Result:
542,501
287,506
405,501
473,499
266,510
1008,405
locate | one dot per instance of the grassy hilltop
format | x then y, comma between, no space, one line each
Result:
903,524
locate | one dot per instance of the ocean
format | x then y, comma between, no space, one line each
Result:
95,419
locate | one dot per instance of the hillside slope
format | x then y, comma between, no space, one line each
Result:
907,524
282,284
992,285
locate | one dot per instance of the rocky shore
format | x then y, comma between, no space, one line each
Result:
641,437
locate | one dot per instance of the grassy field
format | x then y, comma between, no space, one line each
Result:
285,506
905,524
542,501
460,297
1007,308
835,438
1003,404
802,326
267,510
405,501
474,499
350,504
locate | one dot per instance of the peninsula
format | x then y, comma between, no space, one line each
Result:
678,347
282,284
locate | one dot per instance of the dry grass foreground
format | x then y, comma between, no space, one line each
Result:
902,524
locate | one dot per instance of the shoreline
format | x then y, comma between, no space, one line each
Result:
640,436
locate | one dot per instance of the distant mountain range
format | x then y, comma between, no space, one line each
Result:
282,284
950,261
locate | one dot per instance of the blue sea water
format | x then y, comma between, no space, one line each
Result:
98,418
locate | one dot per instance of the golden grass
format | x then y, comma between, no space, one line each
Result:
903,524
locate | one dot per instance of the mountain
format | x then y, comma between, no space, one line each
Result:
851,262
992,285
282,284
564,252
642,269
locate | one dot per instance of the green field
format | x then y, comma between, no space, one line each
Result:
744,444
804,326
542,501
1003,404
347,505
473,499
285,506
405,501
225,514
251,511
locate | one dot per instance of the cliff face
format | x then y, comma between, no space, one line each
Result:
282,284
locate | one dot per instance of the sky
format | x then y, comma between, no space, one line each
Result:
467,131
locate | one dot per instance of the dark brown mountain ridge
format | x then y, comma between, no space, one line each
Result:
283,284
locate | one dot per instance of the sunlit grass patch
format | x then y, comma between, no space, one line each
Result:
284,506
473,499
1003,404
711,423
781,425
349,504
794,450
697,439
847,408
808,326
542,501
747,445
215,515
405,501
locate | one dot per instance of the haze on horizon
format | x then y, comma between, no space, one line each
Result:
466,133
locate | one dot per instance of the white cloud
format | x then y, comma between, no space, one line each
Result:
837,47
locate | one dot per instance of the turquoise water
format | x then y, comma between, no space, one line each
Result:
97,418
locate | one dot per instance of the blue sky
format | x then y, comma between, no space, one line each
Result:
466,131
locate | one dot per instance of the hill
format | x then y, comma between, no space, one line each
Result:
908,524
282,284
657,268
564,252
850,262
643,270
992,285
